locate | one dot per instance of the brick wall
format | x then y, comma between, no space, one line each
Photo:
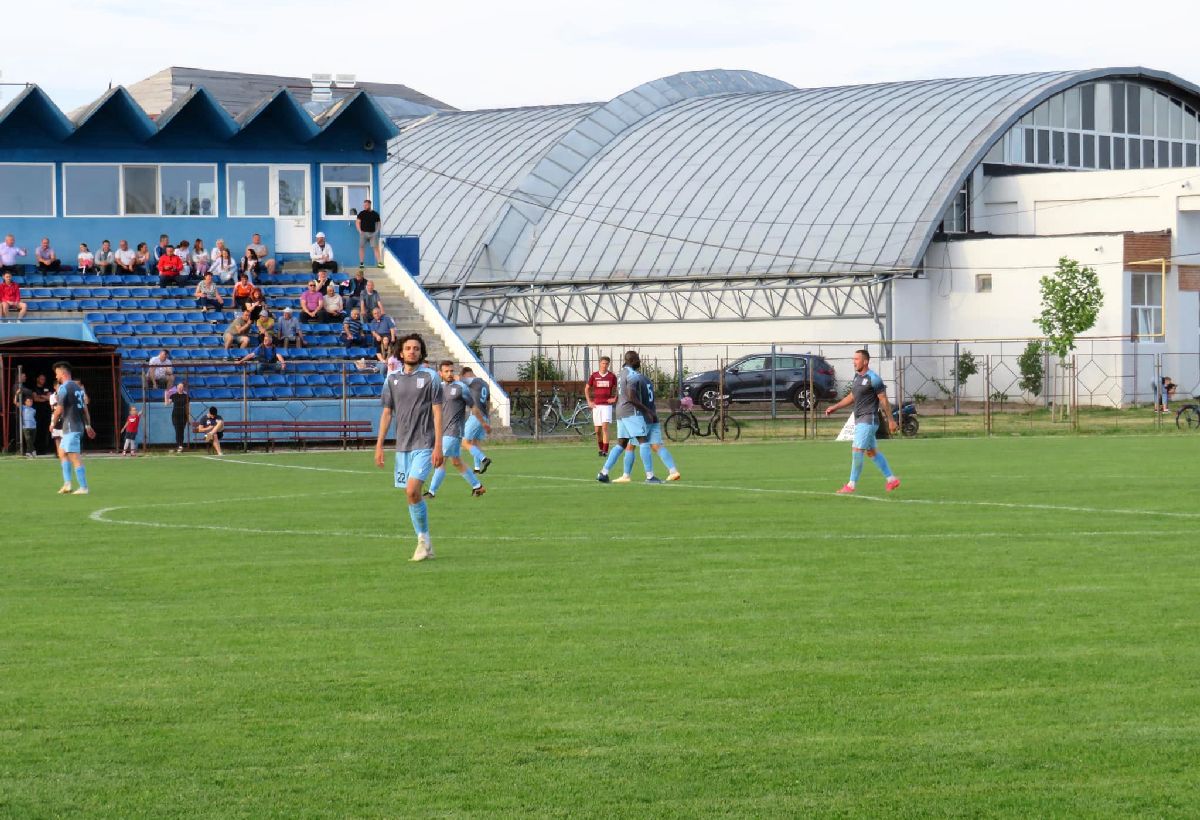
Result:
1149,245
1189,277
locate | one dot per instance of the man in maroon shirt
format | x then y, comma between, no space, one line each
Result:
601,394
10,298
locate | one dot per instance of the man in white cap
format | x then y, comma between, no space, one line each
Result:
321,254
288,330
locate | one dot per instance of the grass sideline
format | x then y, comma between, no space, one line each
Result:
1012,633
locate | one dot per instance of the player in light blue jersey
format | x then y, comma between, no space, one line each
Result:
457,405
477,428
654,436
72,408
868,395
633,419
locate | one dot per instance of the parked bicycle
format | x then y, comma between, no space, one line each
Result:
554,414
683,423
1188,416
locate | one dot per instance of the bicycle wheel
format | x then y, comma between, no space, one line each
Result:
729,428
550,419
580,422
678,426
1188,417
522,422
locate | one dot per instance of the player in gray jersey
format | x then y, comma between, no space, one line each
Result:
634,418
477,428
868,395
457,405
413,397
72,409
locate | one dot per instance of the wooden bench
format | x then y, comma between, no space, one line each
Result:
274,431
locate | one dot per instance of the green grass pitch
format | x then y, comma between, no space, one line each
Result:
1014,632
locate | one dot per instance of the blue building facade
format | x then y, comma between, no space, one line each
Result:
114,173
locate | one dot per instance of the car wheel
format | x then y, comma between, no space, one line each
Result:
802,397
706,396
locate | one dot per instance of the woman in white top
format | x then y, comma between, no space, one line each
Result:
222,267
200,258
86,261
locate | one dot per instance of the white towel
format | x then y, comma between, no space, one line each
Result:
847,433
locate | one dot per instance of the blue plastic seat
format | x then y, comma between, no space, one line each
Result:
325,393
101,293
121,293
277,380
87,304
175,317
109,304
302,392
93,279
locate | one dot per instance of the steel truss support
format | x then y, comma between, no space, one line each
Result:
807,297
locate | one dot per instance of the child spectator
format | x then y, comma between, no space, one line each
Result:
265,260
200,258
47,259
141,258
28,427
242,291
256,303
249,265
265,324
289,330
184,252
105,259
129,432
170,268
223,267
86,262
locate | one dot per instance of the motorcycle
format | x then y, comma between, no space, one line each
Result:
911,424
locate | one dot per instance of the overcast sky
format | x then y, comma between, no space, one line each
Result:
496,54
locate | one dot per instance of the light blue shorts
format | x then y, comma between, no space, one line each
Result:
654,433
72,442
864,436
473,430
631,427
451,446
413,464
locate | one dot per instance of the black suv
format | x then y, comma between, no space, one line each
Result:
749,379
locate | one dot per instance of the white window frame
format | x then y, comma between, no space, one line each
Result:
158,166
53,191
983,283
229,190
1134,333
345,186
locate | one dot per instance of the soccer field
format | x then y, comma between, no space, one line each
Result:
1013,632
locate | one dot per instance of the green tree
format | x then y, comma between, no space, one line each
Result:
1032,371
1071,302
965,367
540,368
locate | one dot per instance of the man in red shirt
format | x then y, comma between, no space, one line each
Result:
170,267
601,394
10,298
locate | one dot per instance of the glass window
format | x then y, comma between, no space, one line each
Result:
1087,104
1057,116
1191,155
1175,110
346,173
1105,152
26,190
1189,124
1118,162
1041,114
752,365
1104,116
335,200
1162,117
1148,154
249,190
1071,99
1059,147
1118,108
1030,154
1043,146
1177,155
1145,302
1089,150
141,189
293,194
343,189
1147,97
92,190
188,190
983,283
1073,150
1135,153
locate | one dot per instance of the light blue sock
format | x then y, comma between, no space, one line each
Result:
472,479
478,454
882,464
611,461
665,455
66,468
419,514
439,475
647,454
856,466
81,476
628,462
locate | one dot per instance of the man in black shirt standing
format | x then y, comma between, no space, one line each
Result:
368,234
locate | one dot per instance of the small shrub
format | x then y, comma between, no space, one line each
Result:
540,368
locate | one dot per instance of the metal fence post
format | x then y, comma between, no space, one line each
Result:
679,369
492,360
1074,395
900,393
537,410
774,369
954,377
1158,397
987,393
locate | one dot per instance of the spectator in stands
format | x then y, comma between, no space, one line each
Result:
200,258
170,268
86,260
324,283
208,295
352,289
180,403
289,330
242,291
159,371
238,331
9,252
367,223
249,264
265,324
310,304
256,304
265,260
212,427
383,327
184,251
223,267
385,362
125,259
321,254
369,300
268,357
353,334
105,259
333,306
47,259
160,250
141,259
10,298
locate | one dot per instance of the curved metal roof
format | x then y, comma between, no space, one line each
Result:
726,181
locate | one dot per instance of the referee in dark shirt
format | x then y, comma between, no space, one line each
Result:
368,234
